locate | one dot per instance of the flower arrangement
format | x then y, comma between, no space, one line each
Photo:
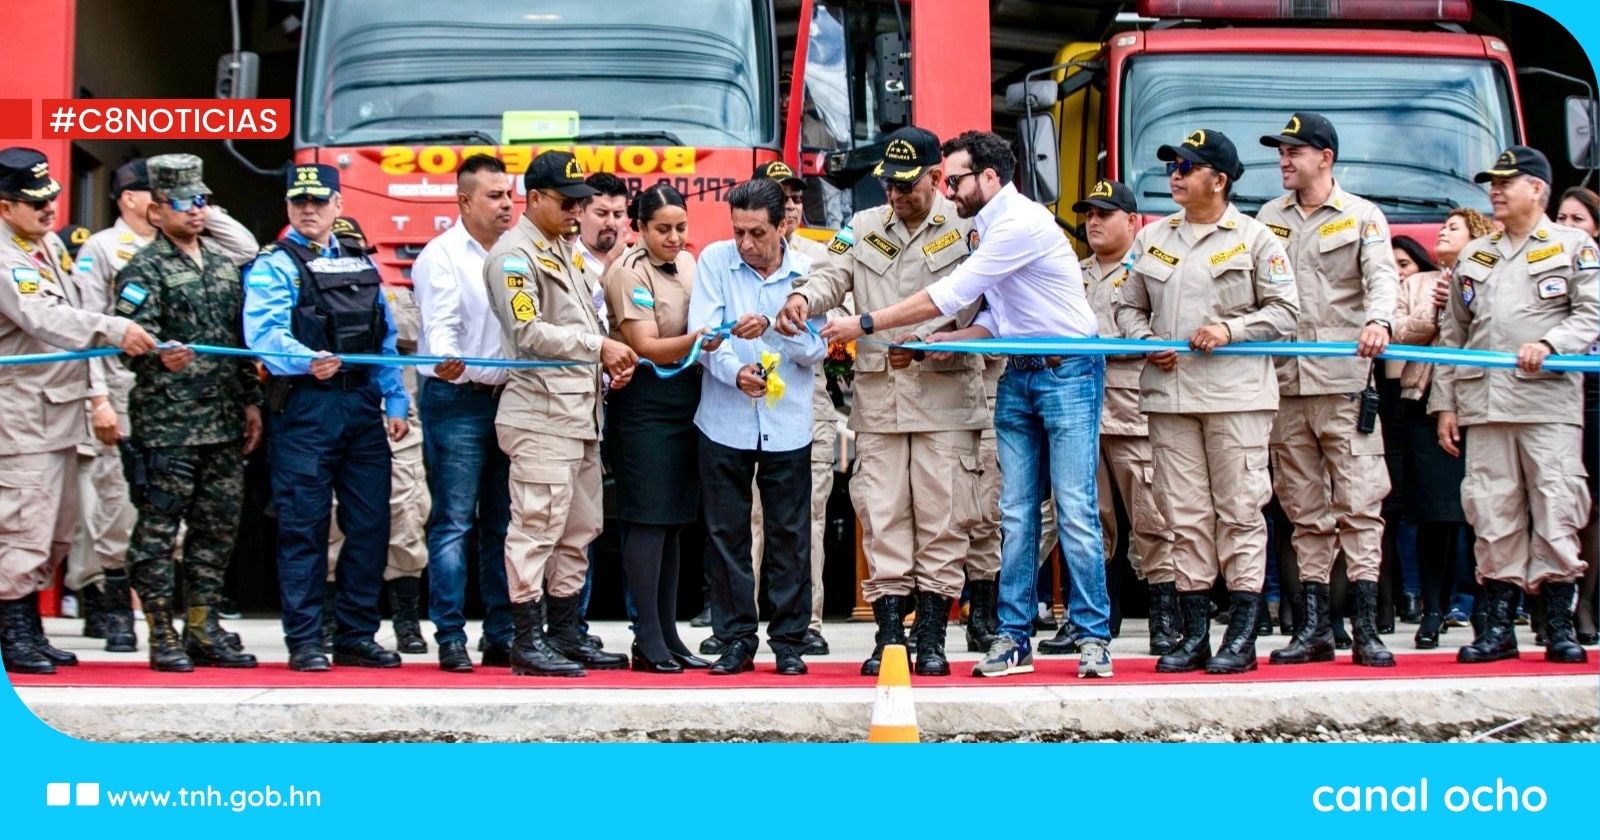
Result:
840,363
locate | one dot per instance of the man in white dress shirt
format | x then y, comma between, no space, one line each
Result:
468,475
1028,277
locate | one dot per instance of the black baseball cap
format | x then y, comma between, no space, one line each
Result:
73,237
779,171
1207,146
1518,160
25,175
559,171
1305,129
314,180
1108,195
349,233
133,175
909,153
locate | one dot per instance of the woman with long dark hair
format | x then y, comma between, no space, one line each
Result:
650,429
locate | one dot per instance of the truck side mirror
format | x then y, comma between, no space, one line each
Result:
890,55
1037,95
237,75
1580,136
1041,156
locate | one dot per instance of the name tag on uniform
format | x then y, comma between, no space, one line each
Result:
1485,259
1221,257
1278,230
550,265
182,278
1331,228
1545,253
941,243
1552,288
1162,255
884,246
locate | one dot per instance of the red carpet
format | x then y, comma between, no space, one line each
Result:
1054,671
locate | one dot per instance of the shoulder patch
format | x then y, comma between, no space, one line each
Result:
27,280
1546,253
550,265
131,298
1162,255
883,246
943,242
1371,234
1486,259
515,281
972,239
1278,269
259,276
1587,259
523,308
642,297
1468,291
514,265
1221,257
1340,226
86,263
1277,230
1554,287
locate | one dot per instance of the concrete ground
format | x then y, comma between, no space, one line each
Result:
1562,708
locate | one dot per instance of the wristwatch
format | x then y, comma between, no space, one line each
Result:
866,323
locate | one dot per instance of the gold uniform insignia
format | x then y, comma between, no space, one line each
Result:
1545,253
124,255
551,265
1485,259
941,243
515,281
577,260
884,246
938,219
523,307
838,246
1331,228
1162,255
1279,231
1221,257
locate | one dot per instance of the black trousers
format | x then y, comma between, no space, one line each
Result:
784,480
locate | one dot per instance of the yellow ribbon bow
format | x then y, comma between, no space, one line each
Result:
769,371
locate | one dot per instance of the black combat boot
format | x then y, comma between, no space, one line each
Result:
205,645
982,623
935,610
1559,631
570,641
889,611
166,650
1164,629
403,597
18,648
915,630
1238,651
1498,640
330,622
531,653
91,606
1263,618
1368,649
118,603
1313,637
56,655
1194,651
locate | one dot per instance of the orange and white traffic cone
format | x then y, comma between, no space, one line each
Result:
894,718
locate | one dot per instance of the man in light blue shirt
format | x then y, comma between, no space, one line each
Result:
747,431
326,421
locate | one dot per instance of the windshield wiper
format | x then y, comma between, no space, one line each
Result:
471,136
666,137
1413,200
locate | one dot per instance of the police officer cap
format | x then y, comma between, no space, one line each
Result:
73,237
349,233
909,154
1518,160
1209,147
779,171
176,176
25,175
1108,195
1305,129
133,175
559,171
311,180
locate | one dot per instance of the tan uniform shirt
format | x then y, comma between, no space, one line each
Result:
41,406
1238,275
1345,276
822,410
544,301
1119,414
1415,323
886,264
638,289
1502,297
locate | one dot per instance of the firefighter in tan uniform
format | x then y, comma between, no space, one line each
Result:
1328,470
1210,275
1125,465
917,422
1530,290
41,406
409,502
106,511
549,419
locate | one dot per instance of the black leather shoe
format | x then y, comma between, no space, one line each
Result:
701,619
366,653
1063,643
1427,637
309,658
496,654
204,643
1411,608
712,646
453,657
1588,638
692,663
815,644
566,638
791,665
736,659
644,663
17,646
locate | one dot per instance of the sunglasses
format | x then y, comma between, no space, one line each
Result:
567,202
184,205
953,182
795,198
894,187
1184,166
38,205
302,200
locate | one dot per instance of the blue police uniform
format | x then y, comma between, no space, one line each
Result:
325,436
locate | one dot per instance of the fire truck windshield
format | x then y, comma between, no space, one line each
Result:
689,72
1412,131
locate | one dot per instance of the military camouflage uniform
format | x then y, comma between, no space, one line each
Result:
189,423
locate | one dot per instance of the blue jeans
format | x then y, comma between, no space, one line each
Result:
468,477
1047,423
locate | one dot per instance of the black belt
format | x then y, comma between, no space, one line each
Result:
1026,363
344,380
477,387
